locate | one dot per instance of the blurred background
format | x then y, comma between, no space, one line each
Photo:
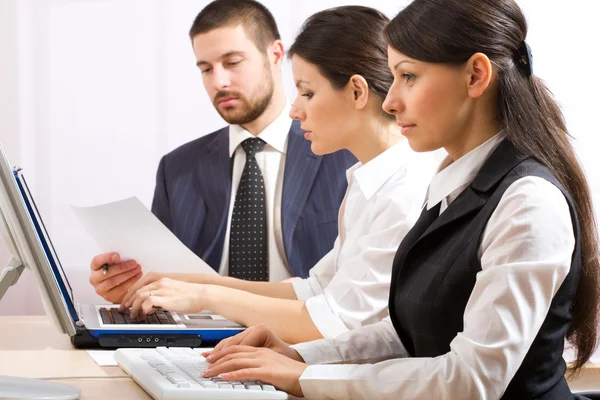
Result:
94,92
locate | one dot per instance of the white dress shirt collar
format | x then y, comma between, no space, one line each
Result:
453,177
373,175
273,134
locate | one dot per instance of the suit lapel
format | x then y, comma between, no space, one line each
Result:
214,171
301,168
468,201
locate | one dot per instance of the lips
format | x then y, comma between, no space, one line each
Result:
226,102
224,99
406,126
307,133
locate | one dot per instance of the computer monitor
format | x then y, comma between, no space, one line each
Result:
22,236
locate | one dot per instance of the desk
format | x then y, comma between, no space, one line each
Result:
31,347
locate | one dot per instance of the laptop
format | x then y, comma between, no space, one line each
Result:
88,325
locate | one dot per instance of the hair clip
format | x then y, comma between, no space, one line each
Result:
525,59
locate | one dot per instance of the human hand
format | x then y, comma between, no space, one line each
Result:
166,294
256,336
240,363
149,278
119,277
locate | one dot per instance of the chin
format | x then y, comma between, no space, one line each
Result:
419,146
319,150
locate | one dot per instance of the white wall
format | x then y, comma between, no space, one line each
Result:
93,92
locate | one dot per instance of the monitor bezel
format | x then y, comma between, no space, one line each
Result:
18,224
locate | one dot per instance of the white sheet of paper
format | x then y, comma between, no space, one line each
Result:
104,358
130,229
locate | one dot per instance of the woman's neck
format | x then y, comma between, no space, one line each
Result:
473,133
373,140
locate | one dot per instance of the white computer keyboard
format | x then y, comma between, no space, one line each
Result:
175,373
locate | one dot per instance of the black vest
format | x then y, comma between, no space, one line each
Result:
434,274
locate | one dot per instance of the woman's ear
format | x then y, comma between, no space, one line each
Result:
479,74
359,89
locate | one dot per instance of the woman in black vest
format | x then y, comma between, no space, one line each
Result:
502,265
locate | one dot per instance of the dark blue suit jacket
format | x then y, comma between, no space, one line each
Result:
193,190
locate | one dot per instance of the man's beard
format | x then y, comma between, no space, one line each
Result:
247,110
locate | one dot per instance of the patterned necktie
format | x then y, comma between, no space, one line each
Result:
248,253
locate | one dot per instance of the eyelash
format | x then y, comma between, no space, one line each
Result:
408,78
230,64
307,95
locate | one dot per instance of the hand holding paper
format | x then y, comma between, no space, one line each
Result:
127,227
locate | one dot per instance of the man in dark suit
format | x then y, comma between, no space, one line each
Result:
250,199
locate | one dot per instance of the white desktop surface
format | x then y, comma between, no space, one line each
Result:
31,347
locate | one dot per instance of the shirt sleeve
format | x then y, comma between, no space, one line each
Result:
319,276
525,256
357,295
371,343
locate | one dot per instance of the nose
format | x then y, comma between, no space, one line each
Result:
393,103
220,78
297,113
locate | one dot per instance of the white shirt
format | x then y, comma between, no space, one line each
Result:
525,256
349,287
271,161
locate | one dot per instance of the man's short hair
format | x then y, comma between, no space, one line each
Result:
257,20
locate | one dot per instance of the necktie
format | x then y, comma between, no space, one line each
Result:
248,253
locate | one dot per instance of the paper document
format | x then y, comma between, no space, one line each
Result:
104,358
127,227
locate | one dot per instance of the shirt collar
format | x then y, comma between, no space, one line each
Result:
275,134
456,175
373,175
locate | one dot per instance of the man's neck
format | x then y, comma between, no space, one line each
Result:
268,116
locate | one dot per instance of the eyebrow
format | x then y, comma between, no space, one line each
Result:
301,82
228,54
402,62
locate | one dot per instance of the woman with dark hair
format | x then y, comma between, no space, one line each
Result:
501,267
339,61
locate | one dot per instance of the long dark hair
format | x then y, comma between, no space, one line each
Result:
451,31
346,41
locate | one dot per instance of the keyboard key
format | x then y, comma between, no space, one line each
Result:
152,319
118,317
128,319
164,370
225,386
176,378
104,316
170,318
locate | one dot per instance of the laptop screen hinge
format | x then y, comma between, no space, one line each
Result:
80,322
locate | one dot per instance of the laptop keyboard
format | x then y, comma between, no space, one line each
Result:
112,316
